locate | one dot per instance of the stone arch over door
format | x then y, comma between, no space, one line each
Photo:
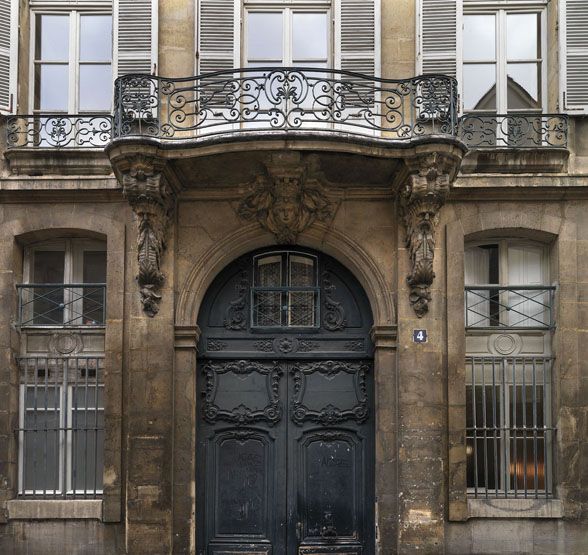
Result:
285,412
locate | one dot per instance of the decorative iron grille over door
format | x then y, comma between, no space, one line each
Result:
285,425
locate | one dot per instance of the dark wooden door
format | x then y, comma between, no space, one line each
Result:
285,440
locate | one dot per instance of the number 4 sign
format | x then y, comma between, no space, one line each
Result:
419,336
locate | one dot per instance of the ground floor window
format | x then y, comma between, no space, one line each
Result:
61,427
509,436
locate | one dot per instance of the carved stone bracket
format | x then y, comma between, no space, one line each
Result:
421,198
152,199
287,200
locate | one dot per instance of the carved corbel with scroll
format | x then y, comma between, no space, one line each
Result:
421,198
153,200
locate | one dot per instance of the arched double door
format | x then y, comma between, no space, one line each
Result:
285,422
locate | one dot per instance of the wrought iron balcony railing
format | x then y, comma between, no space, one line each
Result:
515,307
72,304
519,130
59,130
286,99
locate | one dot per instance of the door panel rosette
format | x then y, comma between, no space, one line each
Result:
264,378
353,374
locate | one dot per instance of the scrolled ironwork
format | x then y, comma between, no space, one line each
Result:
517,130
59,130
284,99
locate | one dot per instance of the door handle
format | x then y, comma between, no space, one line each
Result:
299,531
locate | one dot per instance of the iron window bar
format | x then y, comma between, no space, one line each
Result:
52,130
282,313
61,427
56,304
508,446
514,130
492,306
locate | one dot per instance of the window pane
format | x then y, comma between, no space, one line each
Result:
301,271
52,38
479,86
523,86
522,36
301,308
95,87
48,266
479,37
269,271
94,272
309,36
87,447
94,266
264,36
267,308
95,38
51,87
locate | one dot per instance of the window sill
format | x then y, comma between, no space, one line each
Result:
515,508
42,509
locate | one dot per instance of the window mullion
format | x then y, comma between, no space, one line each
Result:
72,69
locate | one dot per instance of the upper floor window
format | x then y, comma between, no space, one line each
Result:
503,61
285,35
507,286
72,65
285,292
65,284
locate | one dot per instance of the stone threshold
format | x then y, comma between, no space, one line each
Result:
48,509
515,508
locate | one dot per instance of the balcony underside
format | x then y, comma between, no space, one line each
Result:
337,159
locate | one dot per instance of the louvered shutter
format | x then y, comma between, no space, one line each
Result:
439,37
218,35
574,58
135,36
8,54
357,36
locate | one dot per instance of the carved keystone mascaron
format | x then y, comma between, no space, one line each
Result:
286,201
152,199
421,198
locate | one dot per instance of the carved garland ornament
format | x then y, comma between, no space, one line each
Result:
286,202
421,199
152,200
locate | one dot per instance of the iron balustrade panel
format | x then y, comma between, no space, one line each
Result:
286,99
490,306
61,427
56,304
509,434
59,131
516,130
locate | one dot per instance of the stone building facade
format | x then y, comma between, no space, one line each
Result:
293,310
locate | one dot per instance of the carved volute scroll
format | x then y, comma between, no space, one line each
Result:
152,199
287,200
421,198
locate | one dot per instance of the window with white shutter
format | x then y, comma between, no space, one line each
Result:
135,36
218,35
8,54
439,37
574,55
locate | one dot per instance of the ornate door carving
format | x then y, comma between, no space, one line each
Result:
285,440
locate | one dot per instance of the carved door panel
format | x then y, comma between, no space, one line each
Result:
330,458
285,455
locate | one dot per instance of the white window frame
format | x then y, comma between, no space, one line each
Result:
500,10
73,11
288,8
65,439
73,266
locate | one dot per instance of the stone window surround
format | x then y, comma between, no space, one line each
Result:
108,509
458,233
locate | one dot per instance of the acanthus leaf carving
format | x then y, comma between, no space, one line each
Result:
421,199
286,201
152,200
